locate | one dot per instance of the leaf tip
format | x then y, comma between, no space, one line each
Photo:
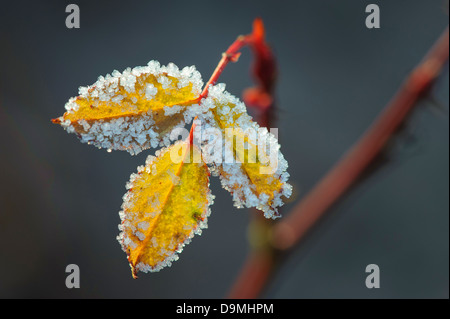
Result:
56,121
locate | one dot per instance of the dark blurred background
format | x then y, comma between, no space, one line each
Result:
59,199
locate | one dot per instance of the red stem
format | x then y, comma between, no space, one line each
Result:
253,275
191,132
231,54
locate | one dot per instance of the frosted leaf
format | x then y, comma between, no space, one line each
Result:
248,160
163,211
133,110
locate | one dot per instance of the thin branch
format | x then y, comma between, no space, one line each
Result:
346,172
253,276
260,263
230,55
291,229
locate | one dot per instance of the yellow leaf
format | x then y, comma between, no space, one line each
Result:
253,169
133,110
166,204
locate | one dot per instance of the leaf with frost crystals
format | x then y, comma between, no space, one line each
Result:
166,204
255,176
133,110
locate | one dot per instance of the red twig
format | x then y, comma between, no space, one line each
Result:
291,229
253,275
346,172
231,54
191,132
260,263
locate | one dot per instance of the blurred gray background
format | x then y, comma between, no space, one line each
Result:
59,199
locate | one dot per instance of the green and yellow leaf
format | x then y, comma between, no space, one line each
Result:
166,204
133,110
